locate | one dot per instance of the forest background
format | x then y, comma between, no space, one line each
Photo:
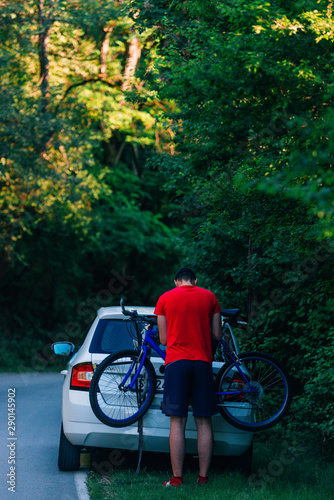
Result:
138,136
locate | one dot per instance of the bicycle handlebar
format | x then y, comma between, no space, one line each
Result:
126,312
137,317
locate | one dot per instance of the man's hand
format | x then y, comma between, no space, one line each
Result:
162,325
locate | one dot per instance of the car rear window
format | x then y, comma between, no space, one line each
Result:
112,335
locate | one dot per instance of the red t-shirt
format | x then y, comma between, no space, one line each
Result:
188,310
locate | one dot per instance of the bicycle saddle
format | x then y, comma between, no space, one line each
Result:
229,312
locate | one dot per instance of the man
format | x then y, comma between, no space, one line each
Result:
189,320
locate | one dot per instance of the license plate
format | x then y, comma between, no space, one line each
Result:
160,385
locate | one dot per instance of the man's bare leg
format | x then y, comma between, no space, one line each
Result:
177,443
204,444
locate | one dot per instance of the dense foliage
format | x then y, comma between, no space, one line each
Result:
139,134
82,220
254,173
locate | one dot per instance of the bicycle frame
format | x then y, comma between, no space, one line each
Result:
148,341
144,350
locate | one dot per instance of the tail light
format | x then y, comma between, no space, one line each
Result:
237,384
82,375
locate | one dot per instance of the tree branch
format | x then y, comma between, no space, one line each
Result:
84,82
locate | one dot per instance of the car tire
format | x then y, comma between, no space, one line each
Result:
69,455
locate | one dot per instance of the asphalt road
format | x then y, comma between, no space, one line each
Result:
30,419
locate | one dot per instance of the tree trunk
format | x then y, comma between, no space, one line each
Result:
113,149
252,306
133,58
43,43
104,51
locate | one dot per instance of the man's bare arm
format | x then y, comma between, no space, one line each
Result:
162,325
216,327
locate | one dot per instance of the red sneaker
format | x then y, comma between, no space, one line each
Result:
175,481
202,480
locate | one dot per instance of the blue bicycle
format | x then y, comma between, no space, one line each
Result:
253,389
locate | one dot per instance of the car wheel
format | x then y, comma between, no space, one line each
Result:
69,455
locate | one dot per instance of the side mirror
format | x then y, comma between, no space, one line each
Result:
63,348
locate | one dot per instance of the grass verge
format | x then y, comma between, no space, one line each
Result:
279,471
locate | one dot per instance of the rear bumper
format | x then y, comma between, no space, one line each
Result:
82,428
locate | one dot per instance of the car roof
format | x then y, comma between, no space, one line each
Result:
116,311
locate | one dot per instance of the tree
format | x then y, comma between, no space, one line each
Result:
253,170
77,201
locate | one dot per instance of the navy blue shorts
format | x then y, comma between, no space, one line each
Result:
189,382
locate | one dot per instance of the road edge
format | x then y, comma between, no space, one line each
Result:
80,478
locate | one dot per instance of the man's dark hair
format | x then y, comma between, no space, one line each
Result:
185,273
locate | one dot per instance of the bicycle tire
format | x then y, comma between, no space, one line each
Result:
111,404
263,401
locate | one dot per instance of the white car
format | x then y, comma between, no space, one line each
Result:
81,430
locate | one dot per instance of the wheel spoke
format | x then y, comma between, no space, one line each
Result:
262,401
113,399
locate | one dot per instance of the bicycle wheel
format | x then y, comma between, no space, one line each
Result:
258,400
112,400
